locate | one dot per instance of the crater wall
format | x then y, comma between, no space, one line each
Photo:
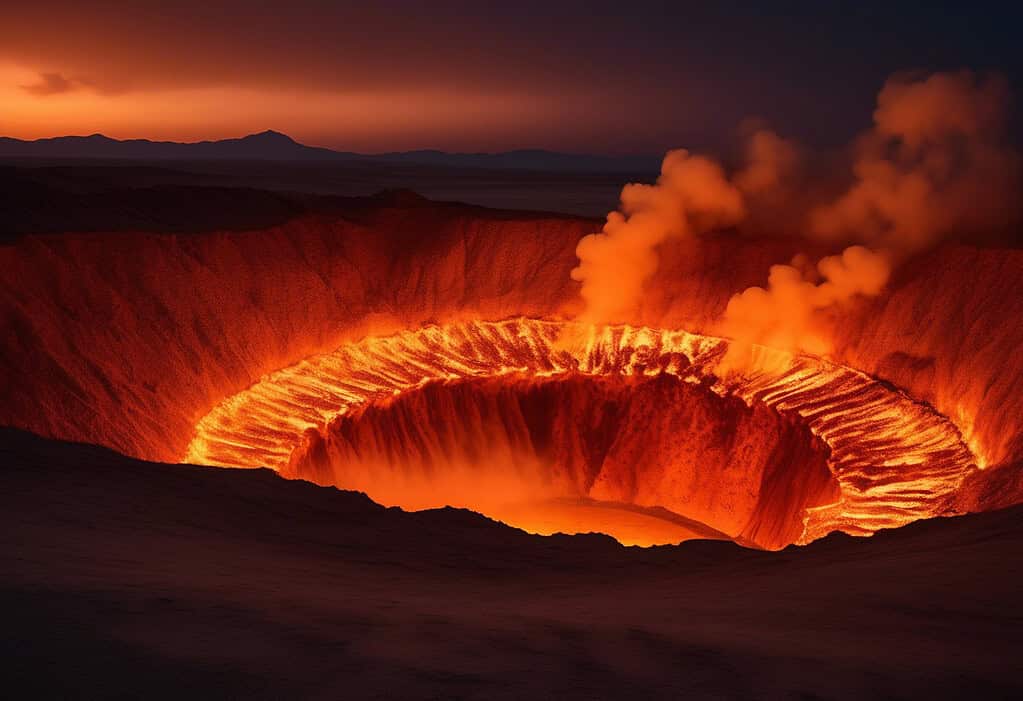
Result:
126,340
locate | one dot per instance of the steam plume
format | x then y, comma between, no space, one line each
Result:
691,196
934,164
770,163
771,183
785,315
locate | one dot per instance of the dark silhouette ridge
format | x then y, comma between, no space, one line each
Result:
141,579
274,146
56,200
266,145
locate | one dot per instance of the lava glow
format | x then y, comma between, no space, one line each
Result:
892,460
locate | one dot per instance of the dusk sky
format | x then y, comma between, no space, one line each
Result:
576,76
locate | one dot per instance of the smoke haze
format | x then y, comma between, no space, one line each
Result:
785,315
936,163
691,196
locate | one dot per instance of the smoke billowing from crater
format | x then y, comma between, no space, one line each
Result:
266,327
935,164
771,163
691,196
786,314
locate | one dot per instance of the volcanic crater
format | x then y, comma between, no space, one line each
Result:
419,352
510,419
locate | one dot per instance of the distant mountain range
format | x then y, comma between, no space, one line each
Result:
274,146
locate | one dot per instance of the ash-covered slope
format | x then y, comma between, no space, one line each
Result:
135,579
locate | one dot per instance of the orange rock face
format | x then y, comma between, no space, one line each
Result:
134,341
128,340
519,448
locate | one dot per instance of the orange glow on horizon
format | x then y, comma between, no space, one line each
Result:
370,121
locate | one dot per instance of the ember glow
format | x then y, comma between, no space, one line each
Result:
511,350
889,460
633,380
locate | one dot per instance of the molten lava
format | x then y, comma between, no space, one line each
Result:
528,450
188,346
627,431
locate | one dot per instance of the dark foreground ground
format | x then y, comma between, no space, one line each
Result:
127,579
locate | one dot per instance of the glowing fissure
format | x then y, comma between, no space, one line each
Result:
895,460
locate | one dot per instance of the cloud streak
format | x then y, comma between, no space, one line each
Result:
50,84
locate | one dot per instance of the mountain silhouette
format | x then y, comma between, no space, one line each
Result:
274,146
